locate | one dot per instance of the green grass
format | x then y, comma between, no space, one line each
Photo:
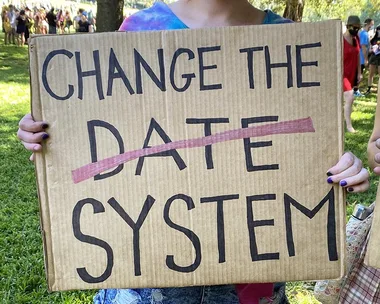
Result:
22,278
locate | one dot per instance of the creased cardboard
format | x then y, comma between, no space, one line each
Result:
193,157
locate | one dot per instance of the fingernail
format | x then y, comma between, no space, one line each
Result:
350,189
35,148
329,173
45,126
329,180
45,136
343,183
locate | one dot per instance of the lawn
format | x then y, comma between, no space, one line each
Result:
22,278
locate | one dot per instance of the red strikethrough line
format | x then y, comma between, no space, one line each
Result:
304,125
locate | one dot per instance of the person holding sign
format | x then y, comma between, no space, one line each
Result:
197,14
374,60
352,68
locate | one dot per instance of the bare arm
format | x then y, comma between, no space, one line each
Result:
374,142
365,53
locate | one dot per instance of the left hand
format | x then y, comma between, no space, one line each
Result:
349,173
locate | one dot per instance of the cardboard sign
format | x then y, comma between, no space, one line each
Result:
372,257
193,157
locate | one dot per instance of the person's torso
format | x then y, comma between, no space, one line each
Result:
350,56
51,19
83,26
161,17
21,21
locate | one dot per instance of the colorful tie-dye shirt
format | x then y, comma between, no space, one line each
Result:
160,17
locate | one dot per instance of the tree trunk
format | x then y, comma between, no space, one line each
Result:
294,10
109,15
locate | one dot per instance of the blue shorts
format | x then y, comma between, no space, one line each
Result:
221,294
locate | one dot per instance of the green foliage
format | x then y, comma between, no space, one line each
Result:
316,10
275,6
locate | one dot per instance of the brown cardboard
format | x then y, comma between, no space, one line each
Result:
187,237
372,257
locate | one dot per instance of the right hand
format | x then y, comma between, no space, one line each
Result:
32,133
376,170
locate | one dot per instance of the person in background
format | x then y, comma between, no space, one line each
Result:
374,60
29,24
352,74
44,23
68,21
83,25
364,49
60,22
52,21
4,11
12,19
21,28
7,29
77,18
183,14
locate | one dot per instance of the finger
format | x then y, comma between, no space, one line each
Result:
356,179
30,137
32,147
376,170
27,123
346,161
377,143
351,171
377,158
359,188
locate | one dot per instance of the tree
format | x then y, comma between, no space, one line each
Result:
109,15
294,10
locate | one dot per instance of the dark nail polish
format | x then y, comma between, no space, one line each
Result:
329,180
343,183
329,173
350,189
45,126
45,136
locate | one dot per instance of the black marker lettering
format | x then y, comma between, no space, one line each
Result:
220,221
250,52
173,153
248,145
45,67
82,272
287,64
187,232
188,77
300,64
207,127
96,72
252,224
119,73
93,147
203,68
136,226
140,61
331,225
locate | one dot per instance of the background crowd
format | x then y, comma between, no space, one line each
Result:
19,22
